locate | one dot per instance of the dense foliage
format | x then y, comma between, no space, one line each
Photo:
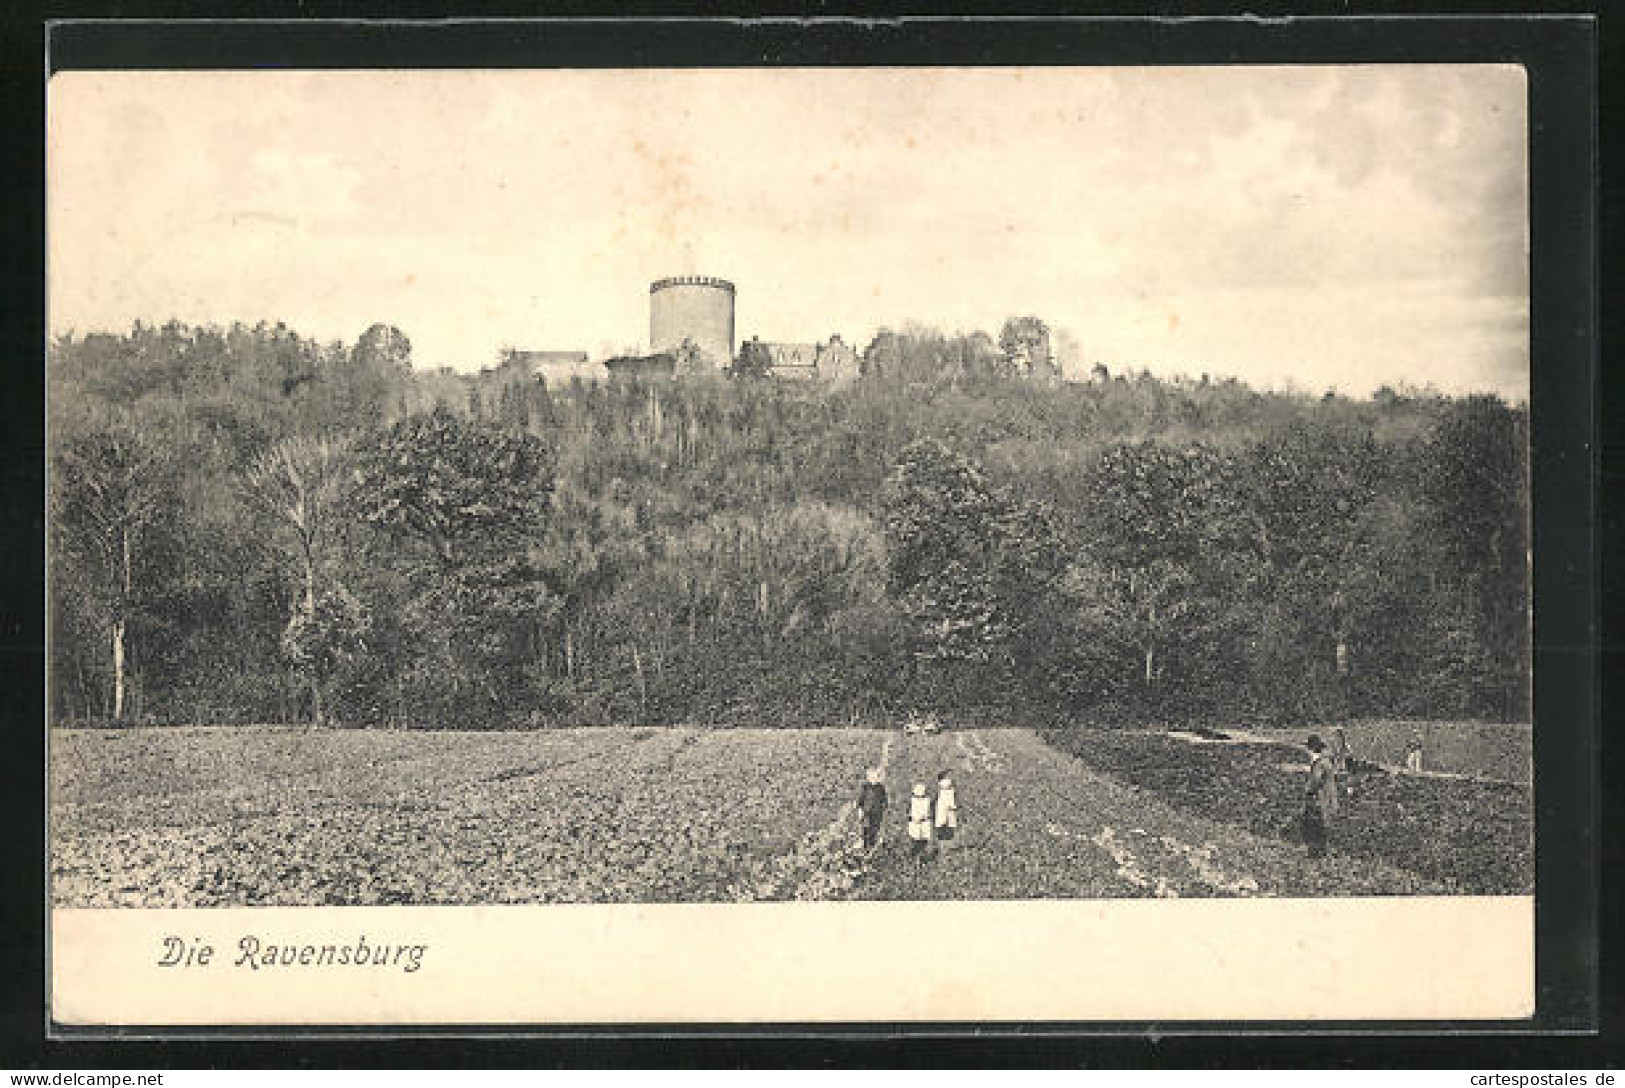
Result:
251,526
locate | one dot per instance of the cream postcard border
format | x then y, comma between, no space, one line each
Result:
1425,958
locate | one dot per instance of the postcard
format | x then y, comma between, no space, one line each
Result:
789,545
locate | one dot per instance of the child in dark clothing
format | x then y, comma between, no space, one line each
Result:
872,807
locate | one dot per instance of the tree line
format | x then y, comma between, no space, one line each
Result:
250,526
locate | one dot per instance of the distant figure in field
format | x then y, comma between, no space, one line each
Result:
919,821
1320,798
872,806
1413,755
947,810
1341,759
1339,753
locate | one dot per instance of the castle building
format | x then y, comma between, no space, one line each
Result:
692,318
691,332
832,362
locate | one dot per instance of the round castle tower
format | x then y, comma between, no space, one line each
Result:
698,309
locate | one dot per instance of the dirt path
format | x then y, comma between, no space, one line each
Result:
825,864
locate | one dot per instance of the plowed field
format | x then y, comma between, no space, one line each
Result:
261,816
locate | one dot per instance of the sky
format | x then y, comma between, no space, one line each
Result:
1296,227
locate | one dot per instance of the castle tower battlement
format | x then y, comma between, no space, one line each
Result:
692,281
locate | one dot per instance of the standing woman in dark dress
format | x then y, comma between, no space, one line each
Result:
1320,798
872,807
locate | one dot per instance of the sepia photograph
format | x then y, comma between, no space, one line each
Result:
946,488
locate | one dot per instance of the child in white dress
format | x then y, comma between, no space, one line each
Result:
947,819
919,820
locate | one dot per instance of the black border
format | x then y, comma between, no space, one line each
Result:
1560,57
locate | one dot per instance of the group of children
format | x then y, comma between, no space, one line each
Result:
935,818
929,817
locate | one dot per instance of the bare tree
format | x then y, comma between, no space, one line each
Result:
109,488
301,481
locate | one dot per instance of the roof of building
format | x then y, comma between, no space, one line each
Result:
691,281
543,357
658,363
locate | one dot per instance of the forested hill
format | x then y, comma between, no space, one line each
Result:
250,526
